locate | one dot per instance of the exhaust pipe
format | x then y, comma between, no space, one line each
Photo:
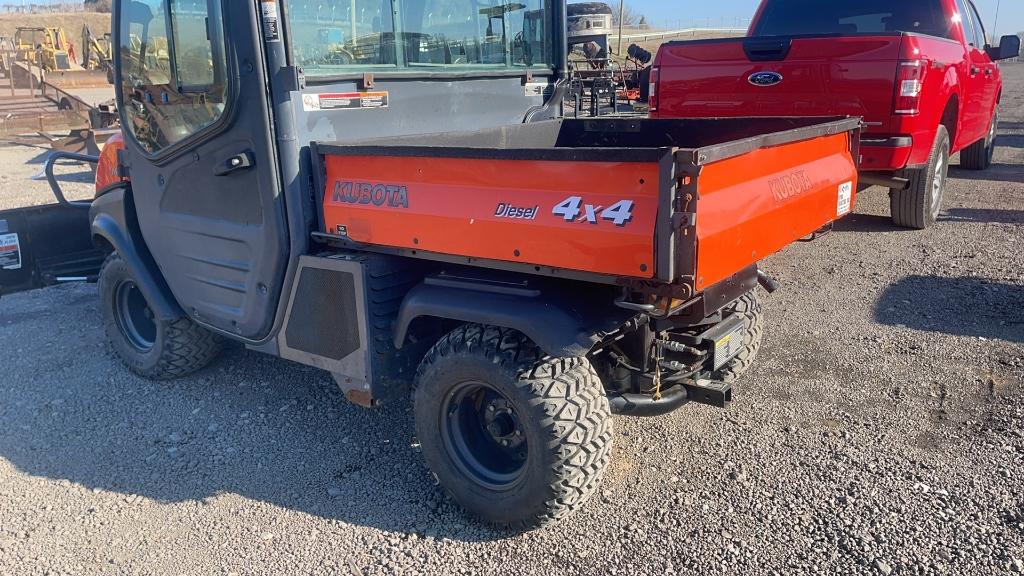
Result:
874,179
645,406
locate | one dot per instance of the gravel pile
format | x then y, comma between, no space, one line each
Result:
882,432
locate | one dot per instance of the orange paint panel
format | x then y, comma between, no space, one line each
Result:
544,213
754,205
107,172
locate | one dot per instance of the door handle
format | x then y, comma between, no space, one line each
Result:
237,162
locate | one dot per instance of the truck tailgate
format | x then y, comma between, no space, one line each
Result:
825,76
753,205
681,202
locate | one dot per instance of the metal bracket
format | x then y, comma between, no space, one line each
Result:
294,78
368,81
123,165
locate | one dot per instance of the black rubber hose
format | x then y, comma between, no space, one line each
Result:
645,406
769,284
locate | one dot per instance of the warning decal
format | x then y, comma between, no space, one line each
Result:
10,252
344,101
845,199
271,21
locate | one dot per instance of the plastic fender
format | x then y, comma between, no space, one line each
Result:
111,218
561,327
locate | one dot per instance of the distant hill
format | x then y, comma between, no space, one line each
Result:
72,23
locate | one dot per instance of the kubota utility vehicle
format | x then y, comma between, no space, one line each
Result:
390,194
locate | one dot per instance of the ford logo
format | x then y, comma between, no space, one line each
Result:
765,78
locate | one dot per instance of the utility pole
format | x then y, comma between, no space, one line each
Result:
622,16
995,25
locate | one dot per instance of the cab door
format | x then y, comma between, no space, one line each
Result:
989,80
974,123
193,98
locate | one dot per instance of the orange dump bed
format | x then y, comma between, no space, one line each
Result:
683,202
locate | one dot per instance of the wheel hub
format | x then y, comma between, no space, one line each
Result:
134,317
484,436
502,424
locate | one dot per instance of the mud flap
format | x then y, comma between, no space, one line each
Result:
45,245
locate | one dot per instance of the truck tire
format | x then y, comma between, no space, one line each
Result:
749,308
917,206
645,85
152,348
978,156
517,438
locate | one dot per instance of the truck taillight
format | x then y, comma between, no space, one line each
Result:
652,99
909,81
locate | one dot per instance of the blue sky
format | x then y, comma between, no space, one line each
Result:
684,13
661,12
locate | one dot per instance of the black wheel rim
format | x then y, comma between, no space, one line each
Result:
134,317
484,436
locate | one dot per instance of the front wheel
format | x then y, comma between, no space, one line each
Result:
152,348
517,438
978,156
918,205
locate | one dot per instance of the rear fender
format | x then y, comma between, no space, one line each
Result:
561,323
939,94
112,218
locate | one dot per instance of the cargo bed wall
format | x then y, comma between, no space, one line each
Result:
754,205
596,217
597,198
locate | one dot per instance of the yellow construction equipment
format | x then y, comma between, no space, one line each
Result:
44,53
97,53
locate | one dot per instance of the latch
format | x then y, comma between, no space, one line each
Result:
293,78
123,165
684,220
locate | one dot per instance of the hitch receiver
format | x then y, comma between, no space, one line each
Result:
717,394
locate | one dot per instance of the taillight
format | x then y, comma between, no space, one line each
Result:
652,98
909,82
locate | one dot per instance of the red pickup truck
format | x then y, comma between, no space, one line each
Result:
920,72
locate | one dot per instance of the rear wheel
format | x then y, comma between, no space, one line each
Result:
918,205
152,348
749,309
517,438
978,156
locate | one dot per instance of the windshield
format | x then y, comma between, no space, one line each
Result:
807,17
331,37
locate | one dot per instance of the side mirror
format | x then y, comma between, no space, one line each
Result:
1009,47
138,13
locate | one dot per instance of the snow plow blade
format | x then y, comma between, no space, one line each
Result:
71,79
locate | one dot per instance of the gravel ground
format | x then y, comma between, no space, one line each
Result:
881,432
22,182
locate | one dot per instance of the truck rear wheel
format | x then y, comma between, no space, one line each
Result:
978,156
918,205
749,308
517,438
150,347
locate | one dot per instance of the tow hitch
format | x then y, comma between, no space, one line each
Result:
716,394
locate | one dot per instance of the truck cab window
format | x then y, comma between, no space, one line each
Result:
979,28
349,36
813,17
173,70
966,19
